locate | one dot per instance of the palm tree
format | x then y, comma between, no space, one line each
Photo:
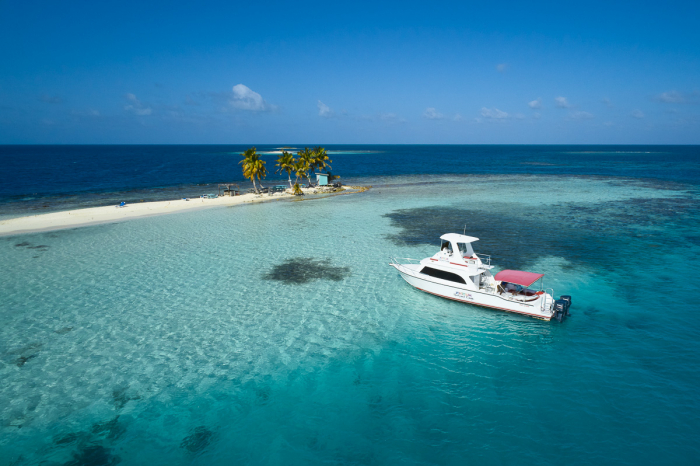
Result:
306,157
301,167
285,162
321,159
253,166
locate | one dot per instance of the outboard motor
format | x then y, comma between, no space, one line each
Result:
560,309
566,298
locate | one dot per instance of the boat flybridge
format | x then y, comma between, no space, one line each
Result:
457,273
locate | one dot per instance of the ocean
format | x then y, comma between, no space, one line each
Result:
277,333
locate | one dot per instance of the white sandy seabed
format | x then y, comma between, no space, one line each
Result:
105,214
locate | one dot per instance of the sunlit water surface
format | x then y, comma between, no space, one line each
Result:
278,334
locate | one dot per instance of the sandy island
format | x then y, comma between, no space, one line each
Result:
105,214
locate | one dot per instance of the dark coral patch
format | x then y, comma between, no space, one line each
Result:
39,248
301,270
93,455
200,438
120,397
25,353
510,238
68,439
585,234
262,394
22,360
112,429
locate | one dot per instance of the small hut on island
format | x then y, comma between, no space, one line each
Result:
228,191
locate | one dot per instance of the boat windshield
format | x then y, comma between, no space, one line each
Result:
465,249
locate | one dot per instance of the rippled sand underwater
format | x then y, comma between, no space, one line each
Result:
278,334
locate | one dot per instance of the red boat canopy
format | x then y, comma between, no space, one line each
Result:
518,277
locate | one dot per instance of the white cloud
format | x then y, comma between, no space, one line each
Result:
675,97
637,114
391,118
245,98
493,113
324,110
432,114
136,107
562,102
457,117
672,97
502,67
537,103
581,115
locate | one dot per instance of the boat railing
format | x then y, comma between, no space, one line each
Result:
401,262
395,260
543,303
485,258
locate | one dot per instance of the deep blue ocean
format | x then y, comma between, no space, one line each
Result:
57,177
277,334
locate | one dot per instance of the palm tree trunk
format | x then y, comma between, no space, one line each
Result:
290,181
254,186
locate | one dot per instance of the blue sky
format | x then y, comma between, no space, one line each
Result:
374,72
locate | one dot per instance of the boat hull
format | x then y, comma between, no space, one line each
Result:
535,308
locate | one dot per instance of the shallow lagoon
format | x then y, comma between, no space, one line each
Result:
177,340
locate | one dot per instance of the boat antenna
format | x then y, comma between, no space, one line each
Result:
465,229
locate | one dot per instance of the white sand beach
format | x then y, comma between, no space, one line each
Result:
105,214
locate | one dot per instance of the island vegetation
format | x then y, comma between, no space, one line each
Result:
306,162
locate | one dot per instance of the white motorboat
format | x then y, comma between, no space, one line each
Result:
457,273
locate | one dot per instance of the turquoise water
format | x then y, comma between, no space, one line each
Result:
278,334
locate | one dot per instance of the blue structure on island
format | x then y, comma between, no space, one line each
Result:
322,179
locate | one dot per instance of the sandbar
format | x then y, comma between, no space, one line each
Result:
107,214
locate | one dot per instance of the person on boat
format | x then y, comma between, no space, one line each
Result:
445,251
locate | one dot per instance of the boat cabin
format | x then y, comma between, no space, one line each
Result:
457,262
463,265
452,242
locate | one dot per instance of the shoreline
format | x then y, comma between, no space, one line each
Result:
107,214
